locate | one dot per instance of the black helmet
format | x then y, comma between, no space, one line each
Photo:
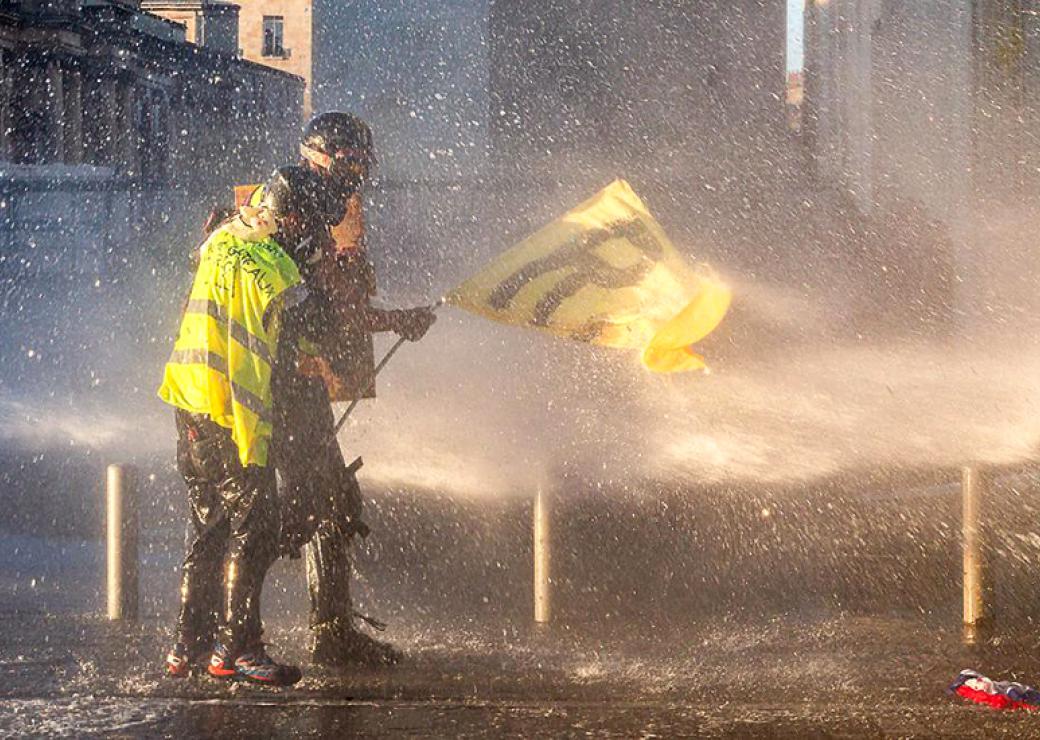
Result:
296,191
335,131
340,144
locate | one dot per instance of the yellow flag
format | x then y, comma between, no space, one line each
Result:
605,273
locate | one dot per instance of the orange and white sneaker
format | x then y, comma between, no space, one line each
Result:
221,664
178,661
253,666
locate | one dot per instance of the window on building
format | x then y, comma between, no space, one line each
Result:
274,36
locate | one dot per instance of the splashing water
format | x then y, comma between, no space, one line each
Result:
484,409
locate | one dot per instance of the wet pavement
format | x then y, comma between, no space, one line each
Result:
551,719
795,676
762,614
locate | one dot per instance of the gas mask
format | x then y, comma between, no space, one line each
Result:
345,170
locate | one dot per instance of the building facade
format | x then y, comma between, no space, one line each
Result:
929,107
280,34
107,85
275,33
111,124
659,83
206,22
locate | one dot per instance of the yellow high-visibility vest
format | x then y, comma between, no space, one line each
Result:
348,285
226,347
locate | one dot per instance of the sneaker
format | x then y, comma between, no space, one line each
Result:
221,664
254,666
335,645
178,661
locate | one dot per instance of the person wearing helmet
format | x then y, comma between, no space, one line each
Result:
338,147
248,307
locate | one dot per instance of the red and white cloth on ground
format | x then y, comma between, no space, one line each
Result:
975,687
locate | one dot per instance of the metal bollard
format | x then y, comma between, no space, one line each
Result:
542,556
123,524
977,614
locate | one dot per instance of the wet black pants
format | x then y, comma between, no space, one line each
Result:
328,577
232,538
315,475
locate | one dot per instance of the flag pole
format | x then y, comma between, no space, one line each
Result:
372,381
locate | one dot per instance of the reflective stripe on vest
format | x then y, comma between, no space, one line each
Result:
222,361
238,332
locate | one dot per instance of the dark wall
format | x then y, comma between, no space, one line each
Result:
657,79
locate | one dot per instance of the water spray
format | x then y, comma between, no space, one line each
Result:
372,382
541,513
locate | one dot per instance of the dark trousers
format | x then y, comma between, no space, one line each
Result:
232,538
328,577
317,487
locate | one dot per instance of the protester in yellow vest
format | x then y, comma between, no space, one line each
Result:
247,309
321,496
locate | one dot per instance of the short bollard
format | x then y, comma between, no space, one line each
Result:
977,612
542,556
122,522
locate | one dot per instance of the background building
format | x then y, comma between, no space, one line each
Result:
206,23
930,108
112,126
490,117
276,33
280,34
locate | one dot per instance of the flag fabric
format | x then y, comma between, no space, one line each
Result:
604,273
975,687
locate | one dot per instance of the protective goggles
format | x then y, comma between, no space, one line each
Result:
343,160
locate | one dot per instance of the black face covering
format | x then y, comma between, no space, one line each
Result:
339,192
344,180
